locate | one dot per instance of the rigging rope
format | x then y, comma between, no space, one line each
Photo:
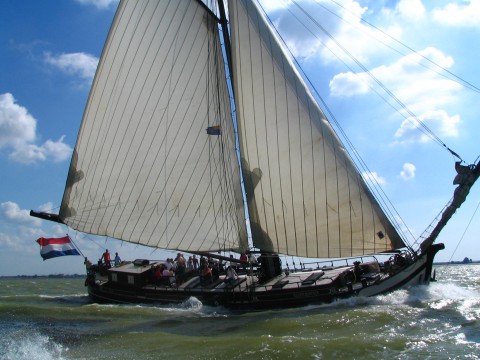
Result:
456,78
463,235
413,118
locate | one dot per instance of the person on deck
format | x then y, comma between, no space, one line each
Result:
88,264
117,260
231,276
195,262
206,276
244,260
158,274
106,259
202,263
190,266
166,273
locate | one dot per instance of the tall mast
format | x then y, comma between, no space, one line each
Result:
226,37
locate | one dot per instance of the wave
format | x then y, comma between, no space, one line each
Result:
26,344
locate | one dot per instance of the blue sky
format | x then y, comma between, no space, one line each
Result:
50,48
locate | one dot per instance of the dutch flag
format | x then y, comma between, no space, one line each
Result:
53,247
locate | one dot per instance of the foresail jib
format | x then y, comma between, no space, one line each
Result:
151,173
304,194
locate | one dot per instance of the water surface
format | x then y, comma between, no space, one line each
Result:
51,318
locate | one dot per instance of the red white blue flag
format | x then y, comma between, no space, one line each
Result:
53,247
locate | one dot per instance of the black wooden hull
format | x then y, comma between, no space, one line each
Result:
286,290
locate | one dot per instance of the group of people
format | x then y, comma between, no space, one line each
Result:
209,274
106,260
208,269
178,269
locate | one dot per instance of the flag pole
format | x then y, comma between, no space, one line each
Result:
76,247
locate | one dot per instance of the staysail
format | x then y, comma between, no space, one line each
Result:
147,167
305,196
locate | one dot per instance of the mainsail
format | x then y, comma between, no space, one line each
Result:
145,170
156,161
305,196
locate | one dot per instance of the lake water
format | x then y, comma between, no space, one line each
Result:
50,318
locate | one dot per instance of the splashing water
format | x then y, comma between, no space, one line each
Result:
19,345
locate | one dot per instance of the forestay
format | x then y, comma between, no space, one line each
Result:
144,169
305,196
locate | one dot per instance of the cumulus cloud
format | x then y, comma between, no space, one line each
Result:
349,84
26,228
18,134
47,207
373,177
399,77
274,5
439,121
12,213
408,171
317,42
58,151
411,9
464,14
78,64
23,240
100,4
11,242
424,92
17,126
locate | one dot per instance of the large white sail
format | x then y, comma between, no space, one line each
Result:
304,194
144,168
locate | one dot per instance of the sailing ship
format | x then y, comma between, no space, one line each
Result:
196,123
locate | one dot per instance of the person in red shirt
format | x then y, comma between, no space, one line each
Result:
106,259
206,276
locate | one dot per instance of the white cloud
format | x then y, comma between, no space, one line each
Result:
373,177
12,213
304,38
411,9
25,228
349,84
17,126
465,14
11,242
18,133
351,34
78,64
100,4
58,230
23,240
400,75
58,150
273,5
47,207
423,91
408,171
438,121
